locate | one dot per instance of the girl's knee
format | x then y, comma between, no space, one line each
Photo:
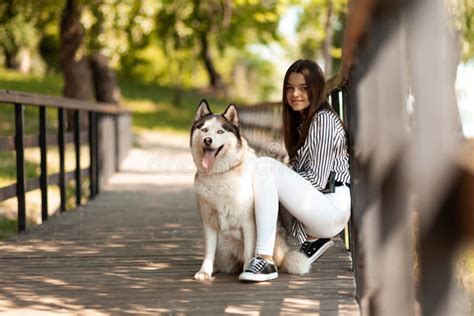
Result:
265,165
265,161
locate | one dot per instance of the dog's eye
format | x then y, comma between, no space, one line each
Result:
204,130
220,132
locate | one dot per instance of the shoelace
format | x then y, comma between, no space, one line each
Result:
256,265
304,246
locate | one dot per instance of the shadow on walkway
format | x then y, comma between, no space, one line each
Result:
135,249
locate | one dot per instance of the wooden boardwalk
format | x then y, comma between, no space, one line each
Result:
135,249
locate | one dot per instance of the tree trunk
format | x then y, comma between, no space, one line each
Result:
105,83
77,73
11,61
215,80
10,51
327,46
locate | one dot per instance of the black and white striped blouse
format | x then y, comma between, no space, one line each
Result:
324,150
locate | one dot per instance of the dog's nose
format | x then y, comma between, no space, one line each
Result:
207,141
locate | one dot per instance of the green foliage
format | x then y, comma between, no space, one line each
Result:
17,30
312,32
183,26
8,169
463,18
118,28
48,48
8,228
252,78
159,41
23,23
155,107
11,80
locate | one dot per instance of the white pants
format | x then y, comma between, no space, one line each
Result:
323,215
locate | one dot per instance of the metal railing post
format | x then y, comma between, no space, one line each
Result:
61,145
77,146
44,163
20,165
93,154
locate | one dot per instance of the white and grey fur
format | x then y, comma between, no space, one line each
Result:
223,184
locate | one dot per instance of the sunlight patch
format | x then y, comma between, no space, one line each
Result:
299,303
243,309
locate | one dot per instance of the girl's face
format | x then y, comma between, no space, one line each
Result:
297,92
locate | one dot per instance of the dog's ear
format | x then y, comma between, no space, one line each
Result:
230,114
203,110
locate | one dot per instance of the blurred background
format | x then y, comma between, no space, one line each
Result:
163,52
161,57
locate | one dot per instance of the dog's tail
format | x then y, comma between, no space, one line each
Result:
295,262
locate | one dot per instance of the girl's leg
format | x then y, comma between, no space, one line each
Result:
261,267
266,208
323,215
274,181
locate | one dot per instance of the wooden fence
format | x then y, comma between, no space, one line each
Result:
412,205
107,136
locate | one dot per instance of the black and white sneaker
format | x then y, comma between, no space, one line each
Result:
314,249
259,270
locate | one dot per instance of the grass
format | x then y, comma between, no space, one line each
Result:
163,108
8,208
32,162
153,108
8,228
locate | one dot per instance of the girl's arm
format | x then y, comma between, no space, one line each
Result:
319,152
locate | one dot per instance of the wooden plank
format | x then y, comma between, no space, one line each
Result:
135,249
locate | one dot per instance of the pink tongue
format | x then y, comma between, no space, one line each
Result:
208,159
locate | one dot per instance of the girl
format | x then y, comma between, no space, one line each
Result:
315,188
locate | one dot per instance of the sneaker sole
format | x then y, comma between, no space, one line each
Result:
320,251
250,277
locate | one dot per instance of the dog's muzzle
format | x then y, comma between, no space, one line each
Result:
207,141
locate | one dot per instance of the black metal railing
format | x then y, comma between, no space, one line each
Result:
106,131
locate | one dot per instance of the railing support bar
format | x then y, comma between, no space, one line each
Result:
20,165
335,103
44,163
93,154
97,151
61,145
77,145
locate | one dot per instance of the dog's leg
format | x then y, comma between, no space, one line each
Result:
210,235
249,236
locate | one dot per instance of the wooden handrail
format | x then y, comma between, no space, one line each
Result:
10,96
104,138
358,18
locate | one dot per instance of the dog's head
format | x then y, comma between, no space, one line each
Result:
215,139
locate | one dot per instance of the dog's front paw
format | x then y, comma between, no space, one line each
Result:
203,276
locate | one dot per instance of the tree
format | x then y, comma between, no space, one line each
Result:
17,31
209,27
463,17
23,23
320,29
76,69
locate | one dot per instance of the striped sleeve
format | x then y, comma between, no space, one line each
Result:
318,151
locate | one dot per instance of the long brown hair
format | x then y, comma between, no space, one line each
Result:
315,82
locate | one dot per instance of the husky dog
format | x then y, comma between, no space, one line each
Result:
223,184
